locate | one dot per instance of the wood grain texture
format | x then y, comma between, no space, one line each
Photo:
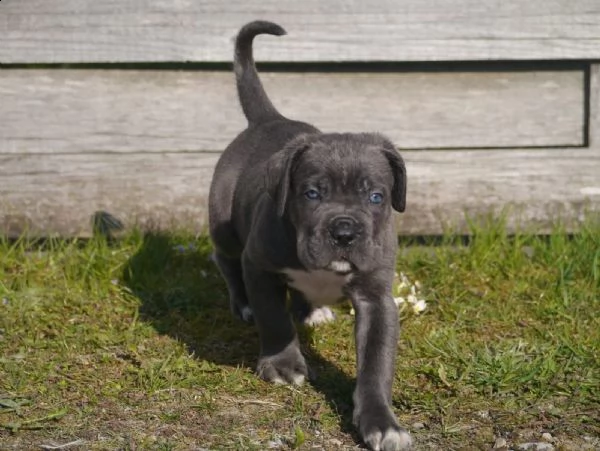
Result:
74,31
79,111
48,194
59,194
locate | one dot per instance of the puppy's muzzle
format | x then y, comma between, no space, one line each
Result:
344,231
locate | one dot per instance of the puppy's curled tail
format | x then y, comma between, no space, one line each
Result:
255,103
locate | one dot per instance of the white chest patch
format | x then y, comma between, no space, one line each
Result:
320,287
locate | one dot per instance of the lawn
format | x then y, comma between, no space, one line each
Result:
129,344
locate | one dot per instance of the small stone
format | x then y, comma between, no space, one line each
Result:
528,251
500,443
335,442
536,446
547,437
275,444
417,426
485,414
544,447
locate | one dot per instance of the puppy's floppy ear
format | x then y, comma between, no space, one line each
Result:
279,171
399,171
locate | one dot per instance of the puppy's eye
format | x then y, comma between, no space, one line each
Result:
312,194
376,198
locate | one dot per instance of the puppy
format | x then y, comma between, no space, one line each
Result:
293,210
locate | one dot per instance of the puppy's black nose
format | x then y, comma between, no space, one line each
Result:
344,230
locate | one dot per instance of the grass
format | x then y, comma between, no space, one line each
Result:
130,345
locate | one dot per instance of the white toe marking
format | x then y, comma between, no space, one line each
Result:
396,441
298,379
318,316
373,440
392,440
246,313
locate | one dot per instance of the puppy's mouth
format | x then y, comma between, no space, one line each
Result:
341,266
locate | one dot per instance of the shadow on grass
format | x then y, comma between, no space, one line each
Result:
332,382
183,296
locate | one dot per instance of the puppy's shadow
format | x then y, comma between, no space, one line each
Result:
183,296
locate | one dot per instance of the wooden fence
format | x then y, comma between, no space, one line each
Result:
122,106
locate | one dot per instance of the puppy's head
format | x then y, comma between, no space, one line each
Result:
338,191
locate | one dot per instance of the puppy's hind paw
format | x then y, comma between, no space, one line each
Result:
391,440
242,311
318,316
246,314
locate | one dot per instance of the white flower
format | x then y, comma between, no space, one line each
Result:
419,306
404,282
408,293
399,300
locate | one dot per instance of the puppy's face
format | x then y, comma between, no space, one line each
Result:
341,192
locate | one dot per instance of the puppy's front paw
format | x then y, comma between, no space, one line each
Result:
287,367
380,431
390,440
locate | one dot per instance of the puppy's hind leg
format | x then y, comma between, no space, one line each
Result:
231,269
306,314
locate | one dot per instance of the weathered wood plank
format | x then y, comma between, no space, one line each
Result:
74,31
48,194
73,111
594,105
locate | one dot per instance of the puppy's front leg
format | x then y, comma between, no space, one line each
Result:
376,333
280,359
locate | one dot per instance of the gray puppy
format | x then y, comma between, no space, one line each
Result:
293,210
